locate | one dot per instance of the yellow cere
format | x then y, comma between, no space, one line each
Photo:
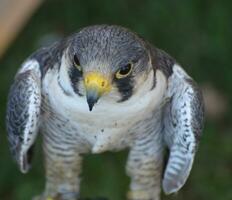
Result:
97,81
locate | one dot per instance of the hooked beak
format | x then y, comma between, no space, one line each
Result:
96,85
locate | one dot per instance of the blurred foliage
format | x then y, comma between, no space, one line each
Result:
197,33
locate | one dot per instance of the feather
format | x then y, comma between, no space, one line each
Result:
23,112
183,123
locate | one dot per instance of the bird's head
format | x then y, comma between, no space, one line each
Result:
107,61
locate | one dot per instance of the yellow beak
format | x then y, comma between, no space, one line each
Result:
96,85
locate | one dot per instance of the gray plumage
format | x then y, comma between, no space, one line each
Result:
23,113
147,103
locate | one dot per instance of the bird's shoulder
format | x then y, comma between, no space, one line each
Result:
161,60
49,56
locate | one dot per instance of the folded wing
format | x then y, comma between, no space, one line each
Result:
23,112
183,123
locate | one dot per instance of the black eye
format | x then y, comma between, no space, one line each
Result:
77,63
124,71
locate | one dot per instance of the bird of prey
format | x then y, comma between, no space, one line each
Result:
105,88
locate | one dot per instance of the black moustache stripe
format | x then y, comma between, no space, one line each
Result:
125,87
75,76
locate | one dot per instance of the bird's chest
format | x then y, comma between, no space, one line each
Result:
110,125
107,127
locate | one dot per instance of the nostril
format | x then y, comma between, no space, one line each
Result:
103,83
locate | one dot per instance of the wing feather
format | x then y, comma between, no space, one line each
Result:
23,112
183,123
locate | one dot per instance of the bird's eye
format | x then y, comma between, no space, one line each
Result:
124,71
77,63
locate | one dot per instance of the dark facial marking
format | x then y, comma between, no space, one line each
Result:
76,60
125,87
75,76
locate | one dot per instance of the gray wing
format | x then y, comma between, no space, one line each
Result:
23,112
183,123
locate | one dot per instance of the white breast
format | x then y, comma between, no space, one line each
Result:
109,122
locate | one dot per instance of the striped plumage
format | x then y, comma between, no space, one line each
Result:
157,106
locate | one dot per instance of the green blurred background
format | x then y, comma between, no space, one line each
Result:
198,33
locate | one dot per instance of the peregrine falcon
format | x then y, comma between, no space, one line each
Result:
106,89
